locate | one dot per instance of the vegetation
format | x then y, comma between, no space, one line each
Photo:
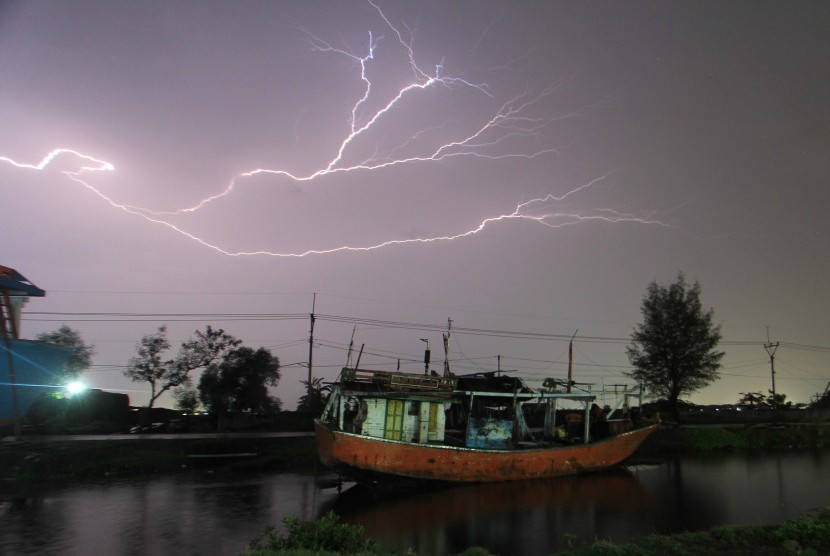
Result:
161,375
187,399
806,536
319,394
82,352
673,350
757,438
754,400
239,384
326,534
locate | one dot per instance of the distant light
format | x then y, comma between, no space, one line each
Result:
75,388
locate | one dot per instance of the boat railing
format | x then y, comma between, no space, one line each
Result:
398,380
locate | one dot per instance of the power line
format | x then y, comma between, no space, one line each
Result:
366,322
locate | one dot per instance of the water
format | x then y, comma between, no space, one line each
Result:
198,514
183,514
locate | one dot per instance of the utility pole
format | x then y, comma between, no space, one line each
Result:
310,355
447,348
571,359
770,348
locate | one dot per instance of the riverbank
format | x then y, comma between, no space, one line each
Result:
60,460
808,535
55,460
668,439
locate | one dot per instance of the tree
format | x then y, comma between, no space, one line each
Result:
318,398
673,350
162,375
778,400
239,384
752,400
187,399
82,352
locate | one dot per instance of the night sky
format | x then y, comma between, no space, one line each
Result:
515,166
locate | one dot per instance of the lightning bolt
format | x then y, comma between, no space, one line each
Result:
512,119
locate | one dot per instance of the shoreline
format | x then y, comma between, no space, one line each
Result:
44,459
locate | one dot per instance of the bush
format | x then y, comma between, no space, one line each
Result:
324,534
715,439
805,533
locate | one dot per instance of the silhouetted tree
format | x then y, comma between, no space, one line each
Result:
673,350
778,400
187,399
239,384
82,352
752,399
318,398
162,375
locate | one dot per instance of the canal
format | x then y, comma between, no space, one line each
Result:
198,513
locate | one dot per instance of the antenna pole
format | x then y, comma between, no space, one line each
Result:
426,356
351,345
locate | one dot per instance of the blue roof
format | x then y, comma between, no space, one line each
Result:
17,284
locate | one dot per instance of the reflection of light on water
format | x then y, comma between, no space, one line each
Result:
537,517
509,517
201,513
188,513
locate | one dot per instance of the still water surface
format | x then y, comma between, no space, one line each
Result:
198,514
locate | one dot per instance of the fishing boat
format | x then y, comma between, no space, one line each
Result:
388,428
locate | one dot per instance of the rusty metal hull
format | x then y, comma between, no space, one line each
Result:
362,456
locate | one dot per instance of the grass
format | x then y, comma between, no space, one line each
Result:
756,438
806,536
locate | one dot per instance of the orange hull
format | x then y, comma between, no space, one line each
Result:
356,455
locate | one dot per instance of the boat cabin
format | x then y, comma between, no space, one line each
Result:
475,411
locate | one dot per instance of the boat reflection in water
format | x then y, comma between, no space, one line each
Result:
521,517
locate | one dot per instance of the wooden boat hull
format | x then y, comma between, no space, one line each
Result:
363,457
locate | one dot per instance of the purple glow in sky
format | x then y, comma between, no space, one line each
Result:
525,166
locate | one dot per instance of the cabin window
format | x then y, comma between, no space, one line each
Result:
394,420
415,408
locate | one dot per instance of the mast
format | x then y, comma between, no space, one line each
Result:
359,355
351,345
